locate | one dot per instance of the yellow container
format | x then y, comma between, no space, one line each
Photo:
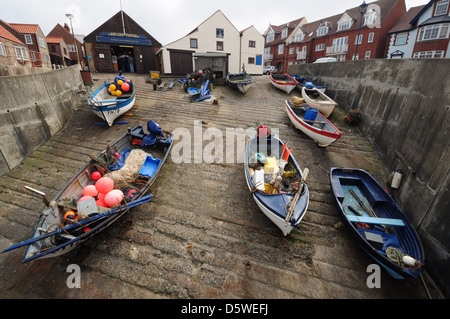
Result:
154,74
270,165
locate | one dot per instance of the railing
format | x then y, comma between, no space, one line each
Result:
337,49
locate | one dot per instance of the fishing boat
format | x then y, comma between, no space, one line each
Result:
319,100
283,82
377,223
302,82
102,191
240,82
312,123
275,180
113,99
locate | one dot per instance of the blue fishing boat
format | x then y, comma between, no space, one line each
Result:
240,82
113,99
377,223
275,180
302,81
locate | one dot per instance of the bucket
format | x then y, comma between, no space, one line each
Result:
311,114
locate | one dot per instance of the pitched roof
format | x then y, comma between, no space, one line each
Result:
404,23
60,31
54,39
9,36
25,28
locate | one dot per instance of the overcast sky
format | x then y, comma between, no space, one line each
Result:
169,20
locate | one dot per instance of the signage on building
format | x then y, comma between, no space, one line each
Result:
123,38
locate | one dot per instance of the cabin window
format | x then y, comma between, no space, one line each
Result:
251,44
219,33
2,49
441,8
251,60
219,46
28,39
194,43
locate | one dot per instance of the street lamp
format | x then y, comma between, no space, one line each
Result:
70,16
362,10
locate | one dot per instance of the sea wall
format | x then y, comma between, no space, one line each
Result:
33,108
404,106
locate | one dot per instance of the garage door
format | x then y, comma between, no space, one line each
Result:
181,62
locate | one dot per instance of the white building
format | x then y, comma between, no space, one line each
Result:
217,45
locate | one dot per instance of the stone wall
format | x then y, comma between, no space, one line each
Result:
32,109
404,106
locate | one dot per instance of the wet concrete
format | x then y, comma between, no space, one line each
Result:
203,236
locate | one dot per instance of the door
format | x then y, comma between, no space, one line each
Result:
181,62
103,58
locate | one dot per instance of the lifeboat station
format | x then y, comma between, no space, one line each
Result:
121,44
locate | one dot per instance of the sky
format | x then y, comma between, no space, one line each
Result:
170,20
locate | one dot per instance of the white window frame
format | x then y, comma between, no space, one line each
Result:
367,55
428,54
28,39
284,32
71,48
299,36
322,30
428,32
3,49
360,37
344,25
320,47
21,53
401,38
281,48
371,37
42,43
291,50
270,37
441,8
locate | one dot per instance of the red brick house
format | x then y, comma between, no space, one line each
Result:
59,52
74,46
337,36
275,43
13,52
433,24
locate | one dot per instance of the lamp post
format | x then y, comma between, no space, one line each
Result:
70,16
362,10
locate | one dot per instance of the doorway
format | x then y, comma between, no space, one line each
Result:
125,58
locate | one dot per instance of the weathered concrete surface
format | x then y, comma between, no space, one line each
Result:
404,106
204,236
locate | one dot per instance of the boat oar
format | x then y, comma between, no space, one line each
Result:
361,203
294,200
81,223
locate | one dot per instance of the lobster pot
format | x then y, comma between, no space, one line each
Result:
311,114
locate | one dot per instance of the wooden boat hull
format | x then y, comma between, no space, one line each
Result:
240,82
51,219
319,100
350,186
322,131
274,205
108,107
283,82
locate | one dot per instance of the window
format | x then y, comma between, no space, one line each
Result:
320,47
71,48
344,25
441,8
358,39
291,50
401,38
367,56
45,58
299,36
322,30
219,33
33,56
251,60
284,33
266,53
371,36
2,49
436,31
251,44
219,46
194,43
270,37
28,39
21,53
370,19
355,56
42,43
280,48
428,54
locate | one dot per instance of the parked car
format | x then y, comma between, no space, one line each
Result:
325,60
269,68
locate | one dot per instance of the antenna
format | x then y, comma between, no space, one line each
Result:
123,24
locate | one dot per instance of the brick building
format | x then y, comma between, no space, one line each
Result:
75,47
340,35
59,52
13,52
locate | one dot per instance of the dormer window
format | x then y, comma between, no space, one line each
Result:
322,30
270,37
441,8
344,25
284,33
370,18
299,36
